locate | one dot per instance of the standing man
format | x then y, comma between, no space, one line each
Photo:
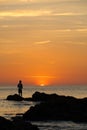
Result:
20,87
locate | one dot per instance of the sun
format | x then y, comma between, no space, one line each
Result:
42,85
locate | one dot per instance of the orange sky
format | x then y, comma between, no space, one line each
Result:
43,42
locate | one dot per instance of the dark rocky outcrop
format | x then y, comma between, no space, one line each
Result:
5,124
37,96
15,97
16,124
55,107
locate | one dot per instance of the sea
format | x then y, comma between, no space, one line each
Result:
9,109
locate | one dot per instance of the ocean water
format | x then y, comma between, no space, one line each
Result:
9,109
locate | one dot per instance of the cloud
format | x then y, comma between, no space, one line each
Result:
28,8
26,0
69,14
69,30
82,30
15,1
37,12
76,43
42,42
35,76
26,13
63,30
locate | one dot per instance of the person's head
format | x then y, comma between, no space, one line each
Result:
20,81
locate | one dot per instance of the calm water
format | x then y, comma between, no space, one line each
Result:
11,108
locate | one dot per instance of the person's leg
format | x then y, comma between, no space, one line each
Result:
21,93
18,92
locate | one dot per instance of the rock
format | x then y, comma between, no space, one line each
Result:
28,99
43,97
15,97
37,96
16,124
55,107
21,124
6,124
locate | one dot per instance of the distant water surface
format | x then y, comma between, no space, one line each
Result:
76,91
11,108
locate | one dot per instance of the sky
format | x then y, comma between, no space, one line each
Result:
43,42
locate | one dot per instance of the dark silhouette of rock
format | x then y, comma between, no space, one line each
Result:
43,97
16,124
37,96
5,124
15,97
28,99
55,107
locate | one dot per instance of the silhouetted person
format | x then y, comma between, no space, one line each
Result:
20,87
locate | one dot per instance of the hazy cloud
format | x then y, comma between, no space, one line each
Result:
35,76
42,42
29,13
82,30
69,14
25,13
74,30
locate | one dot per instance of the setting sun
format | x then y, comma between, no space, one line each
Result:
42,85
